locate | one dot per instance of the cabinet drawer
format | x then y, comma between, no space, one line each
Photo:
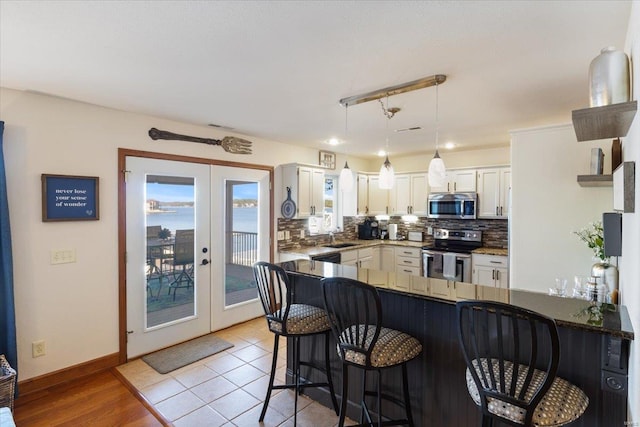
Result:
365,252
403,261
408,252
490,260
347,256
412,271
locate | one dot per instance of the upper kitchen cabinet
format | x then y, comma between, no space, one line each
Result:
363,194
378,199
494,185
608,121
307,188
409,194
458,181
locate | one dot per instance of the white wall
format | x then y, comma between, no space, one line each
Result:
548,205
629,265
74,307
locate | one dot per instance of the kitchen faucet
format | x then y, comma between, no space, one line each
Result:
332,237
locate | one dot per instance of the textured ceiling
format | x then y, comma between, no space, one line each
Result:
277,69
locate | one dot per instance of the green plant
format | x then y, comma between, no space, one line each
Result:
593,236
165,233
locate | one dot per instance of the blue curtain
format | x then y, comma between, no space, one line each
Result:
7,308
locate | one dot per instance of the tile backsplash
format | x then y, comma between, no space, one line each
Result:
494,231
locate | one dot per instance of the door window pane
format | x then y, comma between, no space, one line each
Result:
170,221
241,231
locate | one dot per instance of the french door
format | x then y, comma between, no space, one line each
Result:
193,231
168,235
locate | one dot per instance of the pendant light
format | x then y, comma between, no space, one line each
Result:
386,176
346,175
437,169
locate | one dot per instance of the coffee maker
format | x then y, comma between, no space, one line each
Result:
368,230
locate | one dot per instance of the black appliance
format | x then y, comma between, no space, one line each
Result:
450,256
335,258
368,230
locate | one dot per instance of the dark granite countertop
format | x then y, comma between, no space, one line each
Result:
568,312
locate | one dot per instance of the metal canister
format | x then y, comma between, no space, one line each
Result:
609,78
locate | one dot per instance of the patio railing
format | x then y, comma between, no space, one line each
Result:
244,248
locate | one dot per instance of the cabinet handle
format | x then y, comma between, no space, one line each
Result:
493,275
500,210
455,186
497,211
497,274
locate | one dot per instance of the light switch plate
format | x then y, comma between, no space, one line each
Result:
62,256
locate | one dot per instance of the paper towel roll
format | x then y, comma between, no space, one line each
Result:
393,231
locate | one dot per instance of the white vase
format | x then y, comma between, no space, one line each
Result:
609,78
608,273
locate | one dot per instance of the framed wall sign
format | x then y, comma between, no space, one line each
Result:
328,159
70,198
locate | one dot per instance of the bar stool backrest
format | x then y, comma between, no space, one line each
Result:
510,339
275,293
355,314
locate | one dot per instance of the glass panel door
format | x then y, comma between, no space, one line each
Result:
168,271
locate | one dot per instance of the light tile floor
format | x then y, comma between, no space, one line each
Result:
228,388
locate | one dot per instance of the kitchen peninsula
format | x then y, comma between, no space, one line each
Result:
594,342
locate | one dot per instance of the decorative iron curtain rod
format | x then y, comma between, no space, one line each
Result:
394,90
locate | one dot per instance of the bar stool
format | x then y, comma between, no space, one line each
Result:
355,313
288,319
512,356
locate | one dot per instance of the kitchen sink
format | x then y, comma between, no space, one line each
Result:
340,245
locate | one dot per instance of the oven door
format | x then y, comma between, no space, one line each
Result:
446,265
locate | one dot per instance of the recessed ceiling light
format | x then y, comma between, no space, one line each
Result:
333,141
382,153
449,145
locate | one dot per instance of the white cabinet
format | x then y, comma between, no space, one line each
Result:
450,290
490,270
361,258
378,199
363,194
494,190
458,181
409,194
408,262
307,188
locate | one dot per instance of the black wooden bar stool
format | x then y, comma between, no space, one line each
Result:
355,313
512,357
292,320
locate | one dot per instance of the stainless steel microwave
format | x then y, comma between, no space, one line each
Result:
452,205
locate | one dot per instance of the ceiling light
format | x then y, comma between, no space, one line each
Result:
449,145
333,141
394,90
345,181
382,153
437,169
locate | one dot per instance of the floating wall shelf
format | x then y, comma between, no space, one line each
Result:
595,180
609,121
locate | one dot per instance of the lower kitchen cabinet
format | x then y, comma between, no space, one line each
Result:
408,262
361,258
492,271
454,291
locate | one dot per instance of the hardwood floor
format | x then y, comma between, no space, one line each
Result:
97,400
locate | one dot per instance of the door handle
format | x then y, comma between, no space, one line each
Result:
204,262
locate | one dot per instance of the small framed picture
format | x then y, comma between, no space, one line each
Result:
328,159
70,198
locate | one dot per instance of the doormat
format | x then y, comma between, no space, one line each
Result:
180,355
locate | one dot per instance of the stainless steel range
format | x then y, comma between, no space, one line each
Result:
450,256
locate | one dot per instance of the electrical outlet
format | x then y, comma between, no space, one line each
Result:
37,349
430,231
280,235
302,234
287,234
